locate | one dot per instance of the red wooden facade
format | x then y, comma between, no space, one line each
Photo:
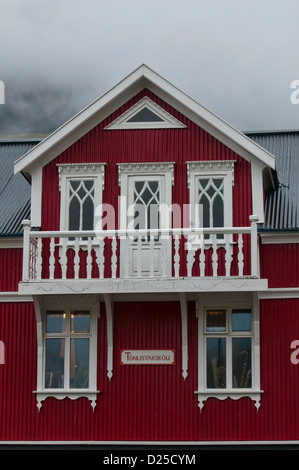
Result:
152,404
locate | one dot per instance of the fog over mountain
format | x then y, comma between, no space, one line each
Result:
237,58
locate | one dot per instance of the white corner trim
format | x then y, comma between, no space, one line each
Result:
109,306
257,191
168,121
184,319
36,197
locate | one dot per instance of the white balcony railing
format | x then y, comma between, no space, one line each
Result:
163,253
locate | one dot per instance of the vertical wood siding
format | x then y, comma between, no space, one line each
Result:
279,264
173,145
11,260
149,402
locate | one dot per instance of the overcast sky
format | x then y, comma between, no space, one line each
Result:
236,57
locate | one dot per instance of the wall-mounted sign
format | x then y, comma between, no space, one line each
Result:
147,357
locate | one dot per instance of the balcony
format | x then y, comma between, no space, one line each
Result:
141,261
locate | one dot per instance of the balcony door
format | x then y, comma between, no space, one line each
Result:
147,198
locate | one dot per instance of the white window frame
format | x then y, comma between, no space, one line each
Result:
72,303
222,301
79,172
211,169
130,172
167,120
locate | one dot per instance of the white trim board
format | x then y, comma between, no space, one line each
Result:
13,296
142,77
280,293
155,443
279,237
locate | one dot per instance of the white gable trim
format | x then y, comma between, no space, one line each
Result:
141,78
167,120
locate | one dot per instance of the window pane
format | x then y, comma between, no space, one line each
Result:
205,210
216,320
241,320
218,212
88,217
55,322
54,376
74,214
216,362
79,363
242,363
145,115
80,321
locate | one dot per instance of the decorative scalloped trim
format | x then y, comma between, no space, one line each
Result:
42,396
253,395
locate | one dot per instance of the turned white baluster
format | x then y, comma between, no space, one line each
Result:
114,257
240,255
202,256
76,259
39,259
89,258
152,256
63,258
176,257
100,257
190,257
214,255
164,245
52,259
228,254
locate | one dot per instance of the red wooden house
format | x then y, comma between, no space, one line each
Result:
149,281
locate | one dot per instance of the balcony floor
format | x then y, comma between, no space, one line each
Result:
143,285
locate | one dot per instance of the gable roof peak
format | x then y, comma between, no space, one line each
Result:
142,77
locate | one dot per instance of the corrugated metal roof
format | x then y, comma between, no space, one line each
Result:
282,203
14,189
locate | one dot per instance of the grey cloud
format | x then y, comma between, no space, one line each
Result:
235,57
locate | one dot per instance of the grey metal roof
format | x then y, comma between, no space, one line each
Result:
14,189
282,203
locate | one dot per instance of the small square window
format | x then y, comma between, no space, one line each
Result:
80,321
56,321
241,320
216,321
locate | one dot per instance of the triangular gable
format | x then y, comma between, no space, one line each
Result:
141,78
145,114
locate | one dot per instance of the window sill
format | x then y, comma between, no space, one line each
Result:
235,394
60,394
